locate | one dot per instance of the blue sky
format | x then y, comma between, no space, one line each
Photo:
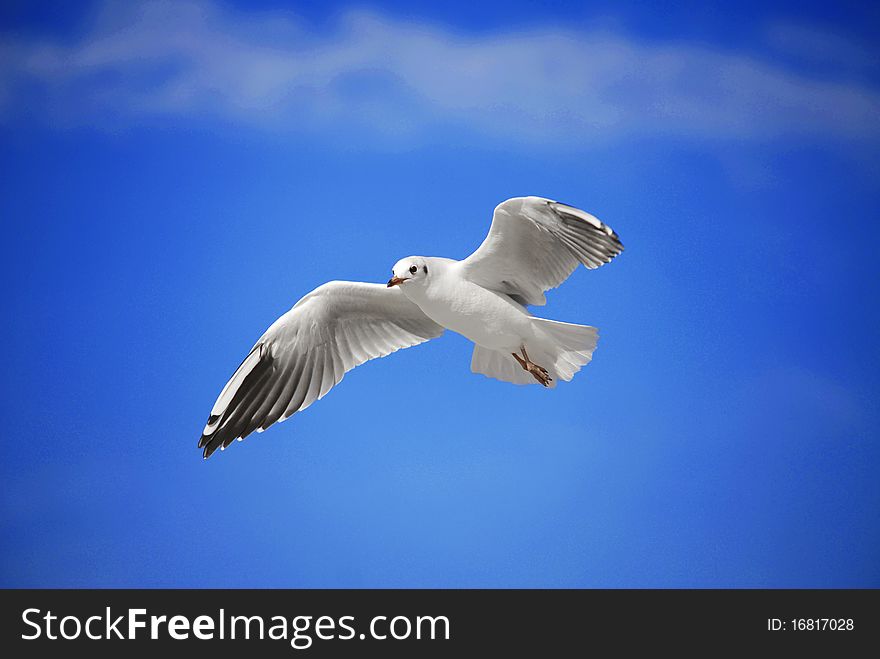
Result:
175,176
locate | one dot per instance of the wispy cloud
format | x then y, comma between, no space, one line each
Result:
391,77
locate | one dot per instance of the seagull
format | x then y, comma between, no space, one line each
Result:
533,245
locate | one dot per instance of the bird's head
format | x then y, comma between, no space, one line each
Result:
412,268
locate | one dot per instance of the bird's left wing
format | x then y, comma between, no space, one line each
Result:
534,244
308,350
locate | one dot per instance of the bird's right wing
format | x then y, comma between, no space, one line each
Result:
534,244
308,350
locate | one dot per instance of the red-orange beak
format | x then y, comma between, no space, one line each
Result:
395,281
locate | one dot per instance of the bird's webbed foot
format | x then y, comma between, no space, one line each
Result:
538,372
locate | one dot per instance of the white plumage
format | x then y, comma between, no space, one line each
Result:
533,245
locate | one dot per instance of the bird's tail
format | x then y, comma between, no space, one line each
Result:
573,346
571,349
501,365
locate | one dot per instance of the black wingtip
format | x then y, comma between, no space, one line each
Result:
209,448
220,435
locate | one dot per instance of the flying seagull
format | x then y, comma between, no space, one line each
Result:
533,245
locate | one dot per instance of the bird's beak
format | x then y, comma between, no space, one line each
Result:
395,281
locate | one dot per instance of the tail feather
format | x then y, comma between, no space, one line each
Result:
499,365
561,348
575,345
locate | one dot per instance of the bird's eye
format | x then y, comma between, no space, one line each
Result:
412,269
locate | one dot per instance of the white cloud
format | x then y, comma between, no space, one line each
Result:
390,77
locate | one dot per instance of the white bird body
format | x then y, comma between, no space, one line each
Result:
533,245
487,318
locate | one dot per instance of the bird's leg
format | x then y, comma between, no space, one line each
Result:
538,372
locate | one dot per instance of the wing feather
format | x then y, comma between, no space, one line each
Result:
307,351
314,381
302,388
534,244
